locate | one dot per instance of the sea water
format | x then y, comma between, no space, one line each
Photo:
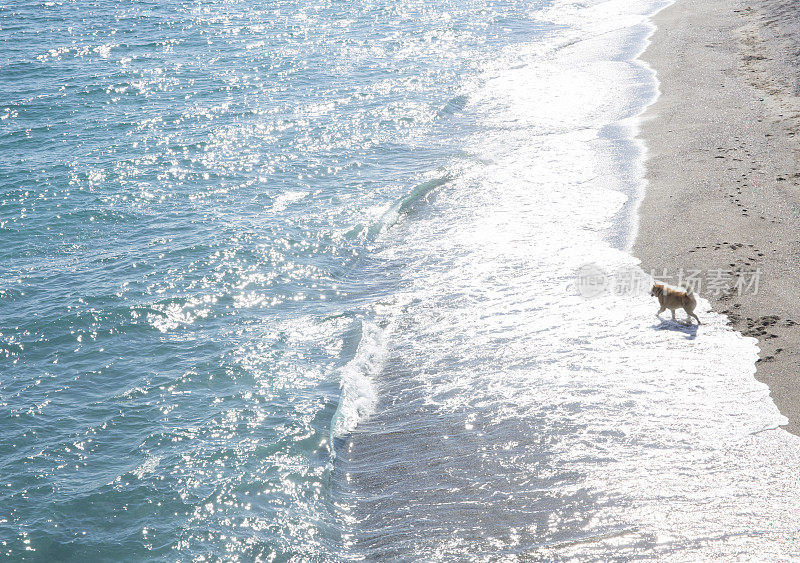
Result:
297,281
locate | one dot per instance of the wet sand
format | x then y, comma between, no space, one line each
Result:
723,193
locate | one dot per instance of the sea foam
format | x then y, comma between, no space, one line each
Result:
524,418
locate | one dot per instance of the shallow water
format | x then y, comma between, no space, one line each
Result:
299,281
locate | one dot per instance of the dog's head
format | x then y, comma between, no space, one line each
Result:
657,290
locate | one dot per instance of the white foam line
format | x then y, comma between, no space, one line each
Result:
358,396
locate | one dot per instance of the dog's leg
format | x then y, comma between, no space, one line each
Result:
660,311
673,315
690,312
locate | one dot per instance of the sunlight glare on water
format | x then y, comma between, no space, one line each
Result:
516,418
296,281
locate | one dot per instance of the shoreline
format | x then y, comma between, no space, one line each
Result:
723,187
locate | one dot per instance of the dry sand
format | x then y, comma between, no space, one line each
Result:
723,175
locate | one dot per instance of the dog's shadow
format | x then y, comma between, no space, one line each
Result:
689,330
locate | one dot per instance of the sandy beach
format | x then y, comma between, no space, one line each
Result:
723,193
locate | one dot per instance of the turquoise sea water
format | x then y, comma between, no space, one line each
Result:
189,196
294,281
